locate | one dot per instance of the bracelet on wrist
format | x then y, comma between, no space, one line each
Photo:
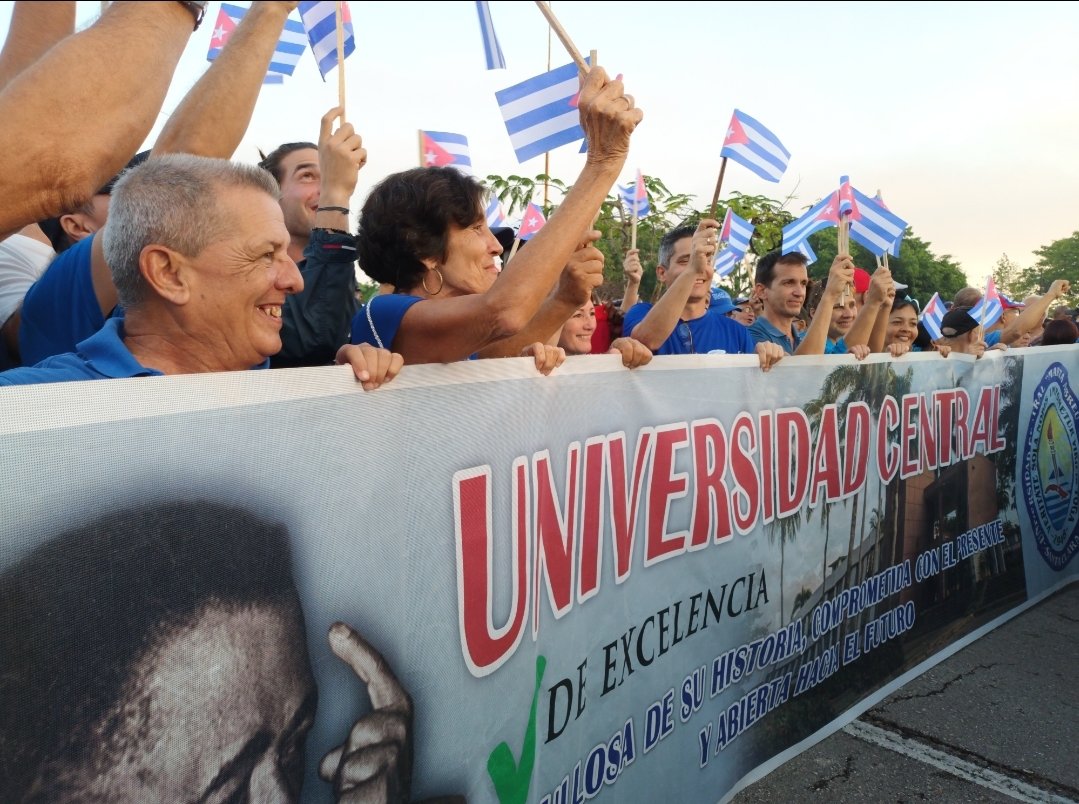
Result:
197,9
342,210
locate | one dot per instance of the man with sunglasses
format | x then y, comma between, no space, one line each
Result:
682,322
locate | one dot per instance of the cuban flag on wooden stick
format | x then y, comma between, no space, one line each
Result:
823,214
541,113
875,227
532,222
932,315
989,310
491,50
736,232
441,148
752,145
290,46
635,197
320,22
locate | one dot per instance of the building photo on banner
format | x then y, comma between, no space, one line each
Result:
662,589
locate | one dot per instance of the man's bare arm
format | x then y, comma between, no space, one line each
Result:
35,27
58,143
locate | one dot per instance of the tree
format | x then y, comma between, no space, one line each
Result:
1058,260
1010,278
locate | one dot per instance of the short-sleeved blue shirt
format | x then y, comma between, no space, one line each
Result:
102,356
61,309
762,331
711,332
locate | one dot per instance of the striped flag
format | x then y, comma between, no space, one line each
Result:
726,260
320,21
441,148
752,145
635,197
532,222
736,232
876,228
541,113
823,214
846,198
932,315
491,49
810,254
495,214
290,46
989,310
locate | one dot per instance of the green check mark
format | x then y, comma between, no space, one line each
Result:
511,780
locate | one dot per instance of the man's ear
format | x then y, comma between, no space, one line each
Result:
76,226
661,274
163,270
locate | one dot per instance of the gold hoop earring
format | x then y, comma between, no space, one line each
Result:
441,282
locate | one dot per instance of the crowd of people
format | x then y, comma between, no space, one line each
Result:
186,262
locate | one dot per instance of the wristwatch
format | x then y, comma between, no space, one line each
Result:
197,9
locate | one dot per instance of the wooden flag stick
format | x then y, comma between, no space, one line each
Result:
513,250
340,61
423,156
885,260
719,186
633,228
560,32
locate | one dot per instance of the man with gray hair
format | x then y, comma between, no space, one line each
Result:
198,252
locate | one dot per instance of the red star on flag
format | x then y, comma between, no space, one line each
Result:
222,30
736,135
434,155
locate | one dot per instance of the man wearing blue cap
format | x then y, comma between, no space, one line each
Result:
684,321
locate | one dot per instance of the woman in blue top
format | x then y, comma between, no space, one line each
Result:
424,232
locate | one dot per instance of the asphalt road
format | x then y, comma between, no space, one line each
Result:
996,722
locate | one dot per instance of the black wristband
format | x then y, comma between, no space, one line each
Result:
342,210
197,9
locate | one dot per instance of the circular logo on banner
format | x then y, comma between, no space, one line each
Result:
1050,490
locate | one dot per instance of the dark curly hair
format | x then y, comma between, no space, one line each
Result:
407,217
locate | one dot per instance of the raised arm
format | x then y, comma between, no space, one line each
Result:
634,272
60,144
872,319
582,274
455,328
35,27
213,116
661,320
1034,313
840,276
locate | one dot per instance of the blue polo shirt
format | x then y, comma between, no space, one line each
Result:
763,332
836,347
102,356
712,332
61,308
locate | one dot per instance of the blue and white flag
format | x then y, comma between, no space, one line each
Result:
442,148
635,197
810,254
823,214
875,227
495,214
287,53
726,260
320,21
736,232
989,310
932,315
541,113
752,145
491,49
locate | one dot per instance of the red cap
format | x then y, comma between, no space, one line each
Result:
861,280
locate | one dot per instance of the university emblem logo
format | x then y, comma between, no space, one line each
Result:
1050,489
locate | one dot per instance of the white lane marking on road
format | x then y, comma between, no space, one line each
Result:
968,771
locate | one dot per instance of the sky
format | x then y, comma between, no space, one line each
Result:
965,116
